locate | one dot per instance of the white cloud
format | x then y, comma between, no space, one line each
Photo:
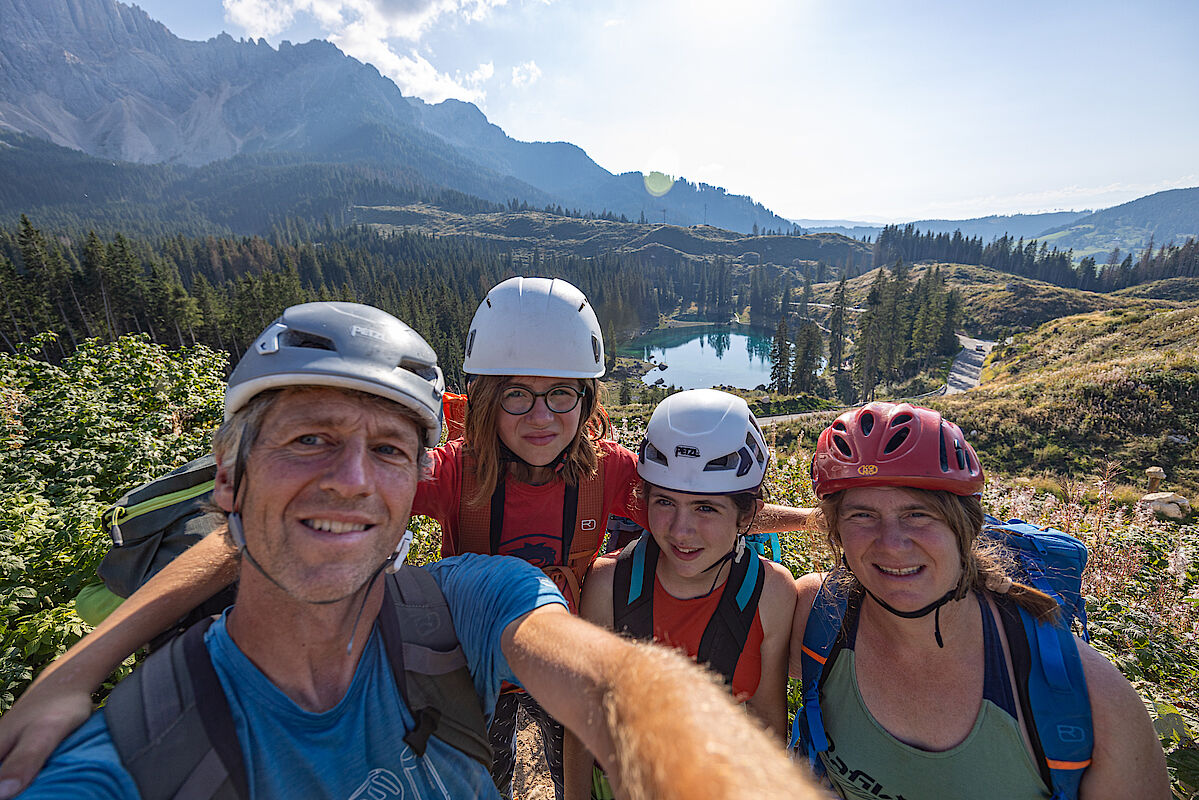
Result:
368,29
525,74
612,23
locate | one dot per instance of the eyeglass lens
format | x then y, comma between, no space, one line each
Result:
559,399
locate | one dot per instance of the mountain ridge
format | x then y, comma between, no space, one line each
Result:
103,77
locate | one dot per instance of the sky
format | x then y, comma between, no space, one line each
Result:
870,110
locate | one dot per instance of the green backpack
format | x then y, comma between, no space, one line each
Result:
150,526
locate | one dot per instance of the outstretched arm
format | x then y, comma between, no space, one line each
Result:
776,519
60,699
661,728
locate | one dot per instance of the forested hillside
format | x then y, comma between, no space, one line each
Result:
1033,259
1163,218
222,291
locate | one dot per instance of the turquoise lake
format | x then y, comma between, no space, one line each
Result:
704,356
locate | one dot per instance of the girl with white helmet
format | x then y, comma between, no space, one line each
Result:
536,474
692,582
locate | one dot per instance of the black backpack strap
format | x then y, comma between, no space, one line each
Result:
724,639
429,666
172,726
633,588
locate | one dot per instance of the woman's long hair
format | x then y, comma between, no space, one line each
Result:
580,461
985,567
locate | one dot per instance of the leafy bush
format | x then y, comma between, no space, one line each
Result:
73,438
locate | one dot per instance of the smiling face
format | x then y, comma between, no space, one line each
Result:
328,489
693,532
540,435
899,545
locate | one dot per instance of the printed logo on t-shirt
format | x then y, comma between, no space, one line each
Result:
537,550
380,784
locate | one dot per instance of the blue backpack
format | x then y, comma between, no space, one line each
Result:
1052,690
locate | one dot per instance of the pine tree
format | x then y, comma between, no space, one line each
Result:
780,358
809,346
836,325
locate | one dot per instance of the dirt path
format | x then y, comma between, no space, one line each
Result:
532,779
968,365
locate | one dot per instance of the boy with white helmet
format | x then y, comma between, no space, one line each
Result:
692,582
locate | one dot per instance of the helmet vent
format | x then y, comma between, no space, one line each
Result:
840,426
759,456
726,461
595,348
900,419
423,371
293,338
961,453
867,423
896,440
470,342
944,455
842,445
651,453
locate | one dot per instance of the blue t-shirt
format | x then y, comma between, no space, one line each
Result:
355,749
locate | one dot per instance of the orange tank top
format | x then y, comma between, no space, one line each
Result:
681,624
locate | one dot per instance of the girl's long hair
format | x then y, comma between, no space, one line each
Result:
985,567
580,461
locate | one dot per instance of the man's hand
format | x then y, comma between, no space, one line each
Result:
32,728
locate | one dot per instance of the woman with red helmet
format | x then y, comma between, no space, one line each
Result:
923,694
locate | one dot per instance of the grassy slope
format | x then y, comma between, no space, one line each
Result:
1120,385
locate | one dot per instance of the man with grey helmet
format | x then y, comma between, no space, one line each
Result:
327,420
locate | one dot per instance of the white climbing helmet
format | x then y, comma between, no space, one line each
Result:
535,327
703,441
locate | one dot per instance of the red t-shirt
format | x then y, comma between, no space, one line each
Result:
532,514
681,624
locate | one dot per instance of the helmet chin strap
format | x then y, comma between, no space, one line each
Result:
934,606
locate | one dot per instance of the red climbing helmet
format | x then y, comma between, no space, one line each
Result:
894,444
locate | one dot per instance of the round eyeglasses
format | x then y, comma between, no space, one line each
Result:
517,400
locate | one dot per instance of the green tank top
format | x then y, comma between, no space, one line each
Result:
864,762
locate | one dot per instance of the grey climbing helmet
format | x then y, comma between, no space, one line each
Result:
344,346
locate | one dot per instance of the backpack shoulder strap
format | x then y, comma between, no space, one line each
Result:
1059,717
633,588
476,520
822,636
172,727
481,524
588,523
724,638
429,666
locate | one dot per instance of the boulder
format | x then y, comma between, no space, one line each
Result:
1168,504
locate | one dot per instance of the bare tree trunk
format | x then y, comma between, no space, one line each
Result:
86,324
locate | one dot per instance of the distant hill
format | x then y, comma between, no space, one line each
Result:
997,304
1165,217
104,78
66,190
1027,226
528,232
